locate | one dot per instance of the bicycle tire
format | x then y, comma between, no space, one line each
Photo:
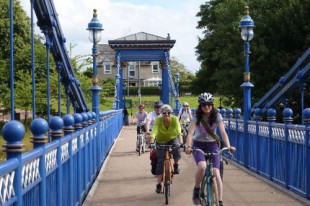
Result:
213,195
140,147
167,182
203,191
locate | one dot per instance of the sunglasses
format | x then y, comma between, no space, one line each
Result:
166,113
141,107
157,107
205,104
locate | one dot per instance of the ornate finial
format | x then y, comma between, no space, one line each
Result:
95,13
246,10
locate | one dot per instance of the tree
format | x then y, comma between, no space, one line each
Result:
282,34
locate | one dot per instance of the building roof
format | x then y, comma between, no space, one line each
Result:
142,40
142,36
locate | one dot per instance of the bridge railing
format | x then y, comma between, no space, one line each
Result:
60,172
279,152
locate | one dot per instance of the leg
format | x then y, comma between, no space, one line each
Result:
219,183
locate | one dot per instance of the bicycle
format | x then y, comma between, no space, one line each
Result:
168,171
184,129
141,143
208,187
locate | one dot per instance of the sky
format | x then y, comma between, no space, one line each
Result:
121,18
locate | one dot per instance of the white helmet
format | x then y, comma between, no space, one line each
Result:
205,97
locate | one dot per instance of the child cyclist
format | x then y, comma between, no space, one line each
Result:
198,137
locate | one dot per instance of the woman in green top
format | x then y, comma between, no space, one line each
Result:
166,130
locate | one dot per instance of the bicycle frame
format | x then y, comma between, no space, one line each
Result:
141,143
167,170
208,186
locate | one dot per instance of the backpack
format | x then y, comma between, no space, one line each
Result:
153,158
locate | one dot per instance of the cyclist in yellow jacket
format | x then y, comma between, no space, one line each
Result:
166,130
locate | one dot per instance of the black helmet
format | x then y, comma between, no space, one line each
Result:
205,97
158,103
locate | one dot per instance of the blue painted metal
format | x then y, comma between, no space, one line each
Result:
12,60
49,24
95,28
140,50
286,84
33,83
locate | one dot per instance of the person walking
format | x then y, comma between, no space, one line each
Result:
198,137
167,131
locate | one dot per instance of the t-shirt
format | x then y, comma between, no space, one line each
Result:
163,134
151,117
201,133
185,114
141,117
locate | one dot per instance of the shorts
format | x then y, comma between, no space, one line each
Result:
176,154
207,147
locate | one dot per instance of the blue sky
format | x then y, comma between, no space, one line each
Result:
124,17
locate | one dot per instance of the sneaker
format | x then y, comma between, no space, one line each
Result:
221,203
158,188
196,196
176,169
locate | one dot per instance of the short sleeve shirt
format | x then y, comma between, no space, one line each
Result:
185,114
201,134
141,117
151,117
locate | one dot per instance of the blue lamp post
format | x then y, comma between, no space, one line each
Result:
95,28
177,101
247,34
117,80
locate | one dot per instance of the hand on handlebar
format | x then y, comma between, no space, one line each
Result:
231,149
152,145
188,150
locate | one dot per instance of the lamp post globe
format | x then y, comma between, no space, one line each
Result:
246,25
95,28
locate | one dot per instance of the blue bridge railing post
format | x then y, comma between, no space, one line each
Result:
39,127
56,124
271,118
80,141
287,113
13,132
306,120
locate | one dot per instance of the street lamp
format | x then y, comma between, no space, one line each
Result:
247,34
95,28
177,101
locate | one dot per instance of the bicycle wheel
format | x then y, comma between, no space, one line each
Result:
140,145
167,182
213,193
143,143
203,191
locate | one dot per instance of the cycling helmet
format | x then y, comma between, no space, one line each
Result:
185,104
205,97
158,103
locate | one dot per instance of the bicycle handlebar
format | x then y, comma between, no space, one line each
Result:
211,153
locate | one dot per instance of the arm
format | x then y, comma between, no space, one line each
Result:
147,124
154,132
178,127
189,138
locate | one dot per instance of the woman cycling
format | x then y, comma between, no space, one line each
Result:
166,130
185,114
206,113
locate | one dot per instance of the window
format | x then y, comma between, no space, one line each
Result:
107,69
132,71
155,67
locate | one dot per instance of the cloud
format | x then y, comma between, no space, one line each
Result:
122,18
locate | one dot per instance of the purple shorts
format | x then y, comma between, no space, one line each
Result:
207,147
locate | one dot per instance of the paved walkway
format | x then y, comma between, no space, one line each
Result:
126,179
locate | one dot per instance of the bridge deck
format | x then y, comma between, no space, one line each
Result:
125,179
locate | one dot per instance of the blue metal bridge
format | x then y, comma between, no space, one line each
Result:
69,151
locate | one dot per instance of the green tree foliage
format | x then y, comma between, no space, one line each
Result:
282,34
